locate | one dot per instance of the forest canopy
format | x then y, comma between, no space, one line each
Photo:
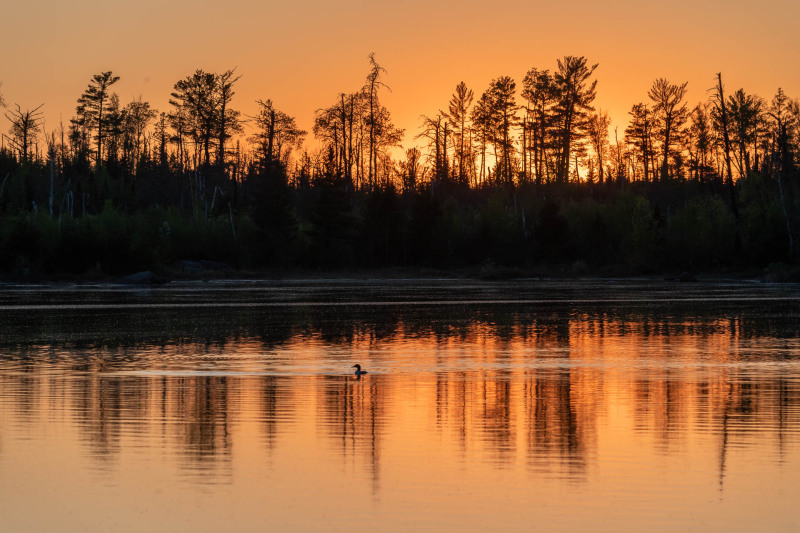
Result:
522,173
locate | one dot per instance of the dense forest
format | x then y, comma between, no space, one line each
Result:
527,177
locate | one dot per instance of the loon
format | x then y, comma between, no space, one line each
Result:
359,372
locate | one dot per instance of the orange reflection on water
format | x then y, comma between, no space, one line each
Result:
594,422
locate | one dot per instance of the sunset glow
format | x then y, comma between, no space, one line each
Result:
303,54
399,265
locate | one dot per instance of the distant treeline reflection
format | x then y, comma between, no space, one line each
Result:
503,408
277,325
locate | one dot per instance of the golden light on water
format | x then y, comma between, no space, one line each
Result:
635,422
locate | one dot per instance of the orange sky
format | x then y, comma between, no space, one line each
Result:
302,54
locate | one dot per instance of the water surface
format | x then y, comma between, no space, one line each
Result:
531,405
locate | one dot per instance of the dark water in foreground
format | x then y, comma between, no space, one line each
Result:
582,406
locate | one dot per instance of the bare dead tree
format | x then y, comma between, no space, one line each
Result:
25,128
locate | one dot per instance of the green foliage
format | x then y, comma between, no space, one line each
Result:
588,230
499,232
275,224
764,232
335,225
383,229
702,234
420,247
551,233
558,225
200,239
454,233
642,237
26,242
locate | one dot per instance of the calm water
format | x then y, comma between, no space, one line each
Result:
584,406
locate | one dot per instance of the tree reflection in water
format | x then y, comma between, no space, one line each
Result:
500,384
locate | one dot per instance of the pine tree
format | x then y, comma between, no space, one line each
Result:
504,109
540,92
575,94
671,113
597,130
458,116
92,110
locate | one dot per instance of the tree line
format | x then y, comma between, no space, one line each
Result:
524,177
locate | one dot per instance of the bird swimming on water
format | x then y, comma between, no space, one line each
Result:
359,372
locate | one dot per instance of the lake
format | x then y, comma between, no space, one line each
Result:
509,406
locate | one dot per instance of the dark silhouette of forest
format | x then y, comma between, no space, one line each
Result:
523,176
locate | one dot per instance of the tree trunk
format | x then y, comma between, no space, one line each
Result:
729,179
665,161
270,140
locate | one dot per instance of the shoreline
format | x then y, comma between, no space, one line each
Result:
219,273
